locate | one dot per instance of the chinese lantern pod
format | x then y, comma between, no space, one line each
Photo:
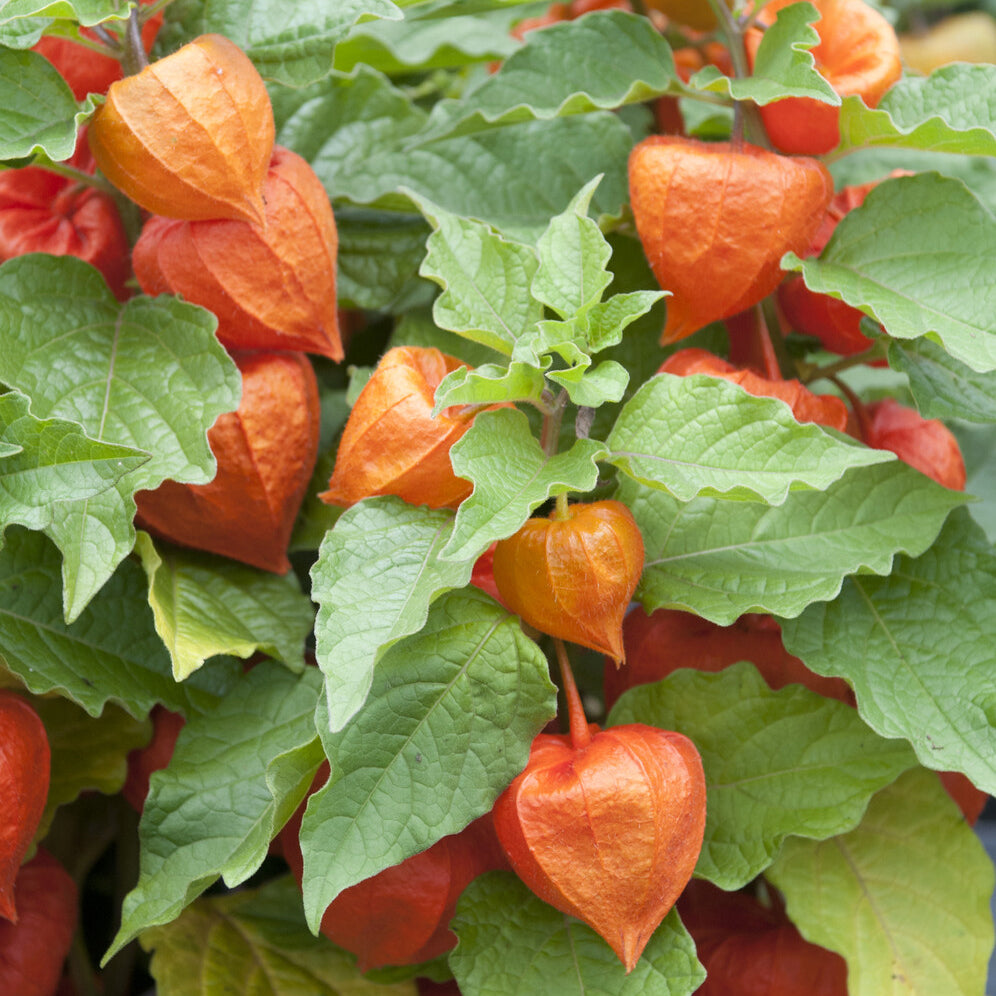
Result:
270,288
392,445
24,779
715,221
573,577
858,54
266,452
33,950
823,409
640,788
190,136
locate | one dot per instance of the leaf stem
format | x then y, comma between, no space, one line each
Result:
134,59
857,405
550,434
876,351
76,175
580,732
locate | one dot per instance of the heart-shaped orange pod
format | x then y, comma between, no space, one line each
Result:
392,445
266,452
715,221
824,409
270,288
857,54
33,950
190,136
573,576
24,777
608,831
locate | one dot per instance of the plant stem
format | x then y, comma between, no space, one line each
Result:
580,733
134,59
561,513
875,352
857,405
76,175
550,435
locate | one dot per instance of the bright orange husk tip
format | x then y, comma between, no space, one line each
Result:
573,578
392,445
270,288
716,220
858,55
610,832
191,135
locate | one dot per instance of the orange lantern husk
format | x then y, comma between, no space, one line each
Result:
573,577
266,452
392,445
715,221
270,288
191,135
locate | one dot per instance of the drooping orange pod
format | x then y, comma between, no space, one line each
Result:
392,445
270,288
858,54
24,777
33,950
607,830
266,452
667,639
752,950
716,220
573,577
824,409
191,135
143,761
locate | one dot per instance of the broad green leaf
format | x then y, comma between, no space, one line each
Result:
777,764
489,384
236,775
703,435
205,605
254,942
904,897
110,653
916,256
721,559
512,942
949,111
785,66
292,44
592,386
942,386
448,724
85,11
88,754
926,635
573,255
485,280
40,112
148,374
512,476
602,61
377,573
977,444
49,462
606,321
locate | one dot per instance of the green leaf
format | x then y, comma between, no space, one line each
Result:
377,573
40,111
88,754
785,66
703,435
87,12
904,897
592,386
205,605
721,559
489,384
512,476
777,764
512,942
254,941
110,653
236,775
915,257
292,44
573,255
49,462
485,279
148,374
926,634
942,386
447,726
949,111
